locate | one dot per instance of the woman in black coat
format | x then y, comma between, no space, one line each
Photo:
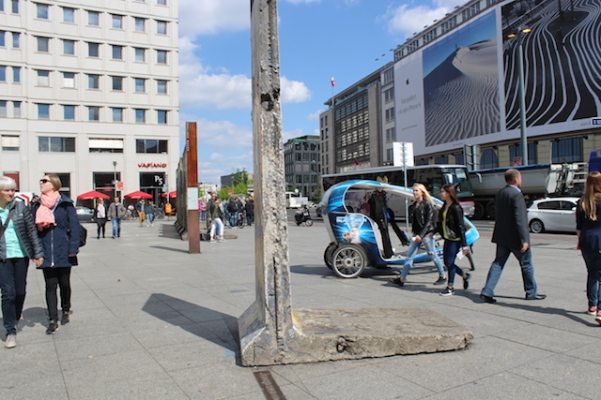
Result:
452,229
58,227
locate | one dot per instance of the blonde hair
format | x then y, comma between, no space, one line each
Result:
55,180
592,193
7,183
423,189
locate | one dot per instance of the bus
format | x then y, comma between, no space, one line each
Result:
433,177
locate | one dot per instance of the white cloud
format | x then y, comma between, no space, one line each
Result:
198,17
220,164
406,19
315,116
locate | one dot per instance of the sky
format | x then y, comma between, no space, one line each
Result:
319,39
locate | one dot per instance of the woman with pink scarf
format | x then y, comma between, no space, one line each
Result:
58,229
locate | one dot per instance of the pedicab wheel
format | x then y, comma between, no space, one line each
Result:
309,222
349,261
327,255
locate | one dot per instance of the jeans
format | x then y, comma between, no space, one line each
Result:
234,219
451,248
149,219
116,227
13,283
494,274
60,277
413,247
592,258
217,223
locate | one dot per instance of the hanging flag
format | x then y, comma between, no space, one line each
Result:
332,81
356,162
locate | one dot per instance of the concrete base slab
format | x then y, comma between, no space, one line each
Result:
326,335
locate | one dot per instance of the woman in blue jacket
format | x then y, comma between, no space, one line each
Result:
58,228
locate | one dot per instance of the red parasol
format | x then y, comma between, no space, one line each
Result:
138,195
172,195
93,195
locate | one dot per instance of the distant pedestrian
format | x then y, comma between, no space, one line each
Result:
19,242
140,208
512,236
58,228
150,211
452,229
116,212
588,227
215,217
100,217
250,210
233,208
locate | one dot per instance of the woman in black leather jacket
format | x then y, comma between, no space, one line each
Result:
452,229
19,242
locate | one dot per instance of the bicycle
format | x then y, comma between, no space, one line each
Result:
241,219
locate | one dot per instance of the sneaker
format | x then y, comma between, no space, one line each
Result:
52,327
222,240
397,281
212,241
11,341
592,310
441,281
448,291
466,280
65,318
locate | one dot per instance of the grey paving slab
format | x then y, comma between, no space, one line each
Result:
152,321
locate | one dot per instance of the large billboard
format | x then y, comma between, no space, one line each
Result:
463,87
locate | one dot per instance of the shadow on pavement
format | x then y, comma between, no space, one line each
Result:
209,326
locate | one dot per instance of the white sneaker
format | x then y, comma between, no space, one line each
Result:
11,341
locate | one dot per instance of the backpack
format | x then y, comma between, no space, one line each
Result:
83,233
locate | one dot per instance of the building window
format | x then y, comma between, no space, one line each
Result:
161,116
68,15
162,2
68,47
139,54
43,111
117,83
140,115
16,74
151,146
117,52
56,145
161,86
93,81
390,114
68,80
2,73
16,109
42,11
388,95
390,136
69,113
161,57
43,44
16,40
515,152
2,5
140,85
2,38
93,49
93,113
100,145
161,27
489,159
117,21
388,76
15,6
566,150
117,114
449,24
3,108
429,36
43,78
140,24
10,143
93,18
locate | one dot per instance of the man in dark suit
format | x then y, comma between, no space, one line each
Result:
511,235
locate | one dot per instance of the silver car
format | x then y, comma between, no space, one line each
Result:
553,214
84,214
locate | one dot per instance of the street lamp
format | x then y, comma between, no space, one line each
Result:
115,178
520,34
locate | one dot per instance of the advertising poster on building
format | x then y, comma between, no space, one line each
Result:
469,76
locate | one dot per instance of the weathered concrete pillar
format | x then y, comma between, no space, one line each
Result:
270,331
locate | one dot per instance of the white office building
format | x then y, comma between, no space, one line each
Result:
89,91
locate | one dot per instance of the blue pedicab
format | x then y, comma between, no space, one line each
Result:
355,238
